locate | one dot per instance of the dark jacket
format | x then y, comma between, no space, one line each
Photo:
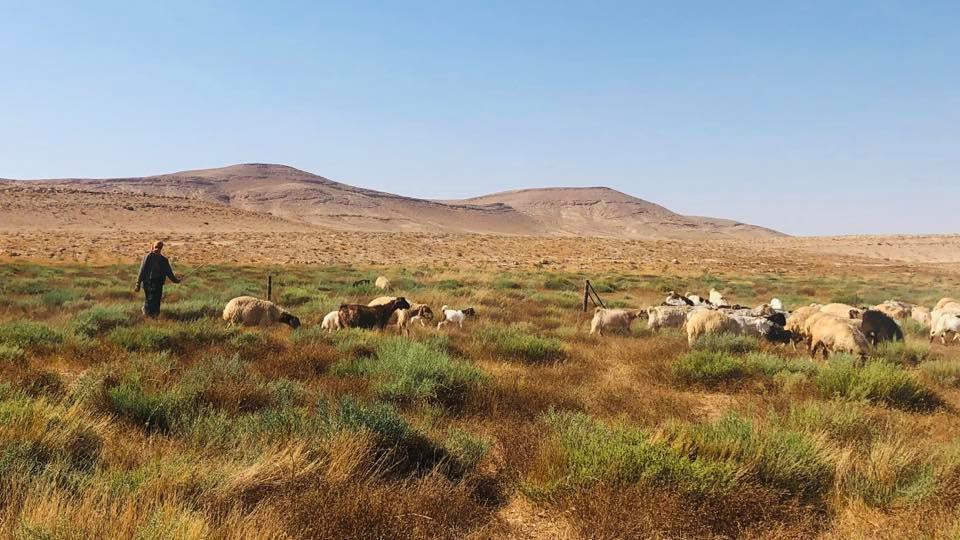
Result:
155,268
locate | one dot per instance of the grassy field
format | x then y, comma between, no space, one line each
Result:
521,425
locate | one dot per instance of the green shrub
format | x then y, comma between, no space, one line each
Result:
564,299
559,284
711,368
943,372
512,342
901,352
839,420
409,371
466,449
894,472
708,368
295,296
726,343
131,401
877,381
191,310
383,421
29,334
505,284
449,285
781,458
594,452
179,338
99,319
58,297
11,353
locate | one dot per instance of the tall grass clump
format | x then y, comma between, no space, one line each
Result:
901,352
512,342
99,319
943,372
788,460
877,381
407,371
714,368
191,310
58,297
11,353
178,337
588,451
29,335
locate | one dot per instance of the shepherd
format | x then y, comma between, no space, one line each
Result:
154,271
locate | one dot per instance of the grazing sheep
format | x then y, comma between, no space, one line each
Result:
762,328
455,316
708,321
331,321
797,319
674,299
361,316
944,324
895,309
382,283
614,319
250,311
777,304
417,312
836,335
763,310
943,303
779,318
844,311
717,299
696,299
921,315
877,326
667,316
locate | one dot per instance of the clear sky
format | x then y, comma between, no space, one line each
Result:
811,117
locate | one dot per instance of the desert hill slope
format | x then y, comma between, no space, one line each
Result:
300,196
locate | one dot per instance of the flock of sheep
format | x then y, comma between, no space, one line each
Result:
827,328
381,311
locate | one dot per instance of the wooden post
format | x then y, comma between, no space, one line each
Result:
586,294
270,288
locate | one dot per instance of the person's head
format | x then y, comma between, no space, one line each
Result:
158,246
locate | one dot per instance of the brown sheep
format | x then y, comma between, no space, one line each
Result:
361,316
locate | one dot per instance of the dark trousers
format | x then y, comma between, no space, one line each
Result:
152,295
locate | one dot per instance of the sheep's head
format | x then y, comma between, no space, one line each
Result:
778,334
470,312
642,314
425,313
290,320
401,303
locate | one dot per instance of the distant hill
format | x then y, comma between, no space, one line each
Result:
302,197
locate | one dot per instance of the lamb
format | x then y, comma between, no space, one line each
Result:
696,299
455,316
614,319
361,316
667,316
674,299
844,311
417,312
877,326
708,321
835,335
250,311
331,321
946,323
921,315
382,283
717,299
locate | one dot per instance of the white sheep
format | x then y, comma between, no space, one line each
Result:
943,303
834,335
456,316
844,311
613,319
708,321
250,311
922,315
674,299
777,305
717,299
667,316
331,321
382,283
947,322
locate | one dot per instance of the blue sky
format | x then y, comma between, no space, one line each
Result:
809,117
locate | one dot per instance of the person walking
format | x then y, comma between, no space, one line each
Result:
154,271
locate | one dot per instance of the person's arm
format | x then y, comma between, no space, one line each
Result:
143,270
169,271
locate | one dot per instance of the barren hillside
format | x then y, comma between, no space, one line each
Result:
301,196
